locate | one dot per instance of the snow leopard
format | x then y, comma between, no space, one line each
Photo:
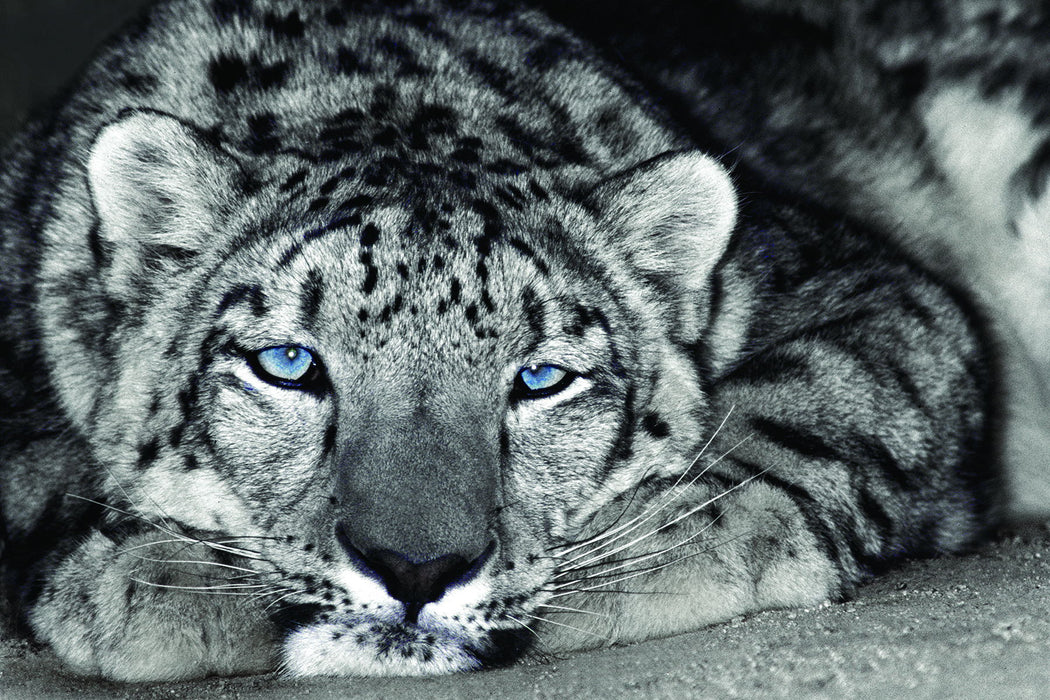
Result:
348,337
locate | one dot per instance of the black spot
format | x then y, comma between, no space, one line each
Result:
495,76
371,277
261,138
527,250
656,426
504,166
362,315
290,254
349,63
175,436
294,180
435,119
288,27
317,205
148,453
190,463
225,10
335,17
357,202
369,235
272,75
408,63
402,270
454,292
537,190
227,72
138,83
329,185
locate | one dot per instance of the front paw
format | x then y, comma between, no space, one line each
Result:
146,607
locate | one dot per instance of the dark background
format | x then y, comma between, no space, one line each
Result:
42,45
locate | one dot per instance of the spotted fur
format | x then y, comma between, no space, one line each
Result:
763,401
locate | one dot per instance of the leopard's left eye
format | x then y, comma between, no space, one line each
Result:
537,381
285,366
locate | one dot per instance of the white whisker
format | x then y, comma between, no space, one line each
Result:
596,554
616,531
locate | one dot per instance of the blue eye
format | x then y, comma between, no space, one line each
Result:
536,381
285,366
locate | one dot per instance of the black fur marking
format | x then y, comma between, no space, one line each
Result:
549,54
225,10
139,84
369,236
252,294
287,27
808,506
175,435
291,254
409,64
294,180
776,365
496,77
582,319
311,297
335,17
228,73
655,425
535,315
623,448
261,138
857,449
148,453
329,441
317,205
527,250
371,273
349,63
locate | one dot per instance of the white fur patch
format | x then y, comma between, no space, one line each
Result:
378,642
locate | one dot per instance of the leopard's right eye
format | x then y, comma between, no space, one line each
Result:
537,381
286,366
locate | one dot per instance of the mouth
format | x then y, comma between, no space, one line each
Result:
385,644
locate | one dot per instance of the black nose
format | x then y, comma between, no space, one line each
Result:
412,580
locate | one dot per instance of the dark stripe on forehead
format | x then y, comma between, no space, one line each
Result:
311,297
528,251
253,295
337,224
535,315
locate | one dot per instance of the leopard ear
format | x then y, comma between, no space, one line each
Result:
158,186
672,216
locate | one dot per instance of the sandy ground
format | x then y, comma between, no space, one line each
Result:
957,627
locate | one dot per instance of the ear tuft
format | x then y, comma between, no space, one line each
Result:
673,216
156,182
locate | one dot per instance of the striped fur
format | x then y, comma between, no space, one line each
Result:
762,401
